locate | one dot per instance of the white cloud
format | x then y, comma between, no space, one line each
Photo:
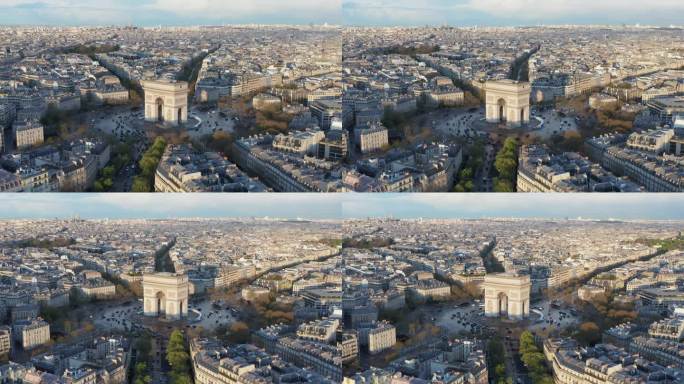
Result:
399,11
252,7
183,11
234,9
535,9
416,12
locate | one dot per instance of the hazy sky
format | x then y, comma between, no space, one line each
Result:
523,205
169,12
350,12
336,206
511,12
134,205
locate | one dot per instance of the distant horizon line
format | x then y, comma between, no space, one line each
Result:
172,25
416,26
526,25
642,207
302,219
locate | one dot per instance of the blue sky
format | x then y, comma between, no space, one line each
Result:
336,206
133,205
168,12
522,205
511,12
349,12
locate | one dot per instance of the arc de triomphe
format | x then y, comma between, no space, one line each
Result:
507,294
166,101
165,294
508,101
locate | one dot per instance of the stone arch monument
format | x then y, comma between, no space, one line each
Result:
507,295
165,294
166,101
508,101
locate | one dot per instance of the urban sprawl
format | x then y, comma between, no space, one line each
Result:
260,108
266,300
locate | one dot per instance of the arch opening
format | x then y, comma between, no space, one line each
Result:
502,302
502,110
160,111
161,303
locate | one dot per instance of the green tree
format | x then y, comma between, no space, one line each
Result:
143,379
176,342
534,360
527,343
500,370
108,171
503,186
140,184
507,166
180,378
178,358
148,166
98,186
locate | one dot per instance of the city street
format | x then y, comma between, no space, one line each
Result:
468,123
202,123
483,177
465,318
457,122
127,316
212,316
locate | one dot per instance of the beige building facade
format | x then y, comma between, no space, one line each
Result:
100,289
29,134
372,138
32,333
382,337
5,340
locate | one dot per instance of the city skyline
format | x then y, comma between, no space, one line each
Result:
341,191
339,207
508,12
467,13
149,13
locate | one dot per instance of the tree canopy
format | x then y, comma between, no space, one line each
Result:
178,358
534,360
506,165
148,166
